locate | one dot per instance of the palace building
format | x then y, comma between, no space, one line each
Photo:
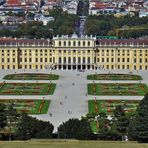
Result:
64,53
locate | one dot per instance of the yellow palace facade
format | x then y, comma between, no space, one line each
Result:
63,53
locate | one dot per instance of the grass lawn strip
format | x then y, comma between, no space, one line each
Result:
27,88
31,76
29,106
114,77
121,89
71,144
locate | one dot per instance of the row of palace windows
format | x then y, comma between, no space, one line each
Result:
8,60
74,51
122,60
73,60
73,43
122,50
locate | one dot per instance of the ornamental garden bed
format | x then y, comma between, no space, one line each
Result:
114,76
31,76
117,89
27,88
29,106
108,107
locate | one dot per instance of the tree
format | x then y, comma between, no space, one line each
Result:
83,132
142,120
75,128
121,122
3,118
29,127
68,129
12,119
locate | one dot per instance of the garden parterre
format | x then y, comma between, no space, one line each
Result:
31,76
28,105
108,106
115,89
27,88
114,76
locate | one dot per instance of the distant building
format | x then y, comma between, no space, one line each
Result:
143,13
42,18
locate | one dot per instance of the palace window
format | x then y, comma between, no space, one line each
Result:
69,43
74,60
69,60
59,43
64,43
83,43
79,43
83,59
60,60
79,60
88,60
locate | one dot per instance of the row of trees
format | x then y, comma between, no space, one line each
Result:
15,125
120,126
109,25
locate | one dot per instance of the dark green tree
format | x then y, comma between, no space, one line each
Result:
3,118
121,121
142,120
29,127
75,128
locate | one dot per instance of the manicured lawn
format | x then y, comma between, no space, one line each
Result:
114,77
108,106
31,76
30,106
71,144
121,89
27,88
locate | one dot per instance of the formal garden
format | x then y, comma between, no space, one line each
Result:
28,105
107,107
115,89
114,76
31,76
27,88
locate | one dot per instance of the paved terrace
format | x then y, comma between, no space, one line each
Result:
69,99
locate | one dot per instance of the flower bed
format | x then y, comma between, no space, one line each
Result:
31,76
114,76
121,89
29,106
108,106
27,89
